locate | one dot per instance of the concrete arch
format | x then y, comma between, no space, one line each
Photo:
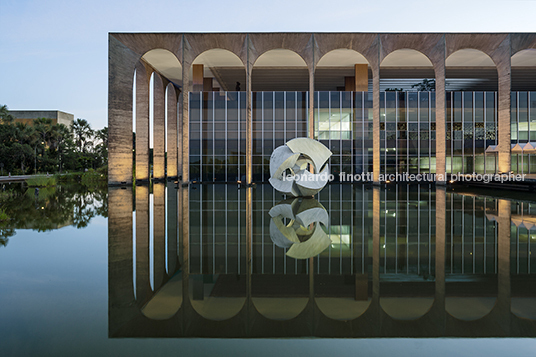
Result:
141,43
406,308
277,66
524,307
469,308
339,66
343,309
166,63
469,57
215,308
364,44
221,64
337,58
166,302
300,43
406,57
496,46
524,58
430,45
280,308
196,44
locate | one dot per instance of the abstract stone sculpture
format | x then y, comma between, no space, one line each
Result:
290,167
303,235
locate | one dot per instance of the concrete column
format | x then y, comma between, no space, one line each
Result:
249,253
185,246
179,135
171,163
249,123
185,133
120,287
311,121
504,73
159,125
503,304
376,123
440,110
122,62
159,207
172,209
440,241
142,122
376,245
143,285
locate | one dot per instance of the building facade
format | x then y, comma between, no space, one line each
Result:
28,116
212,107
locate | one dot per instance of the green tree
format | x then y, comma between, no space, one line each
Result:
82,135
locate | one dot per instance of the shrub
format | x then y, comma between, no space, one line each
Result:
41,181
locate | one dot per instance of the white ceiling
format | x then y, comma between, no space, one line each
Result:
526,58
469,58
218,58
166,63
280,58
341,58
406,58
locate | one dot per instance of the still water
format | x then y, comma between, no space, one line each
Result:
152,269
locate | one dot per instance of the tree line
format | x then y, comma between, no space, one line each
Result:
47,147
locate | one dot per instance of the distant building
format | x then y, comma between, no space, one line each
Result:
28,116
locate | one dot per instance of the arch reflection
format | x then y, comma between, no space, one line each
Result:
402,260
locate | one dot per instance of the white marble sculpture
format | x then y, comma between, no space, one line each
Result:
292,163
303,235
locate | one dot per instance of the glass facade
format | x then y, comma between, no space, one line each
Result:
407,233
523,129
407,132
277,117
217,136
471,128
343,122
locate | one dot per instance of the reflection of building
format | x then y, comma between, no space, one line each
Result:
28,116
404,261
363,95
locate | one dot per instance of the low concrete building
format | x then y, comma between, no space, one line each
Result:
28,116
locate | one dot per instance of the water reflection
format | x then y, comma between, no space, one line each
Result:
297,224
406,260
50,208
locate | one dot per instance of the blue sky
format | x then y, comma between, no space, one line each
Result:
53,54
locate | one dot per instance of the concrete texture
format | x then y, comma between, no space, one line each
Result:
125,50
143,74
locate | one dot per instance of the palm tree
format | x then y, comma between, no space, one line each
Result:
82,134
62,136
102,148
5,117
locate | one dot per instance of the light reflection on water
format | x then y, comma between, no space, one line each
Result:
402,261
219,276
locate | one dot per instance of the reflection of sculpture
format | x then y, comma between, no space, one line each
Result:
290,165
303,235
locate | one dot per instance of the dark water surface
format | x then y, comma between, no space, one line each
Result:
222,270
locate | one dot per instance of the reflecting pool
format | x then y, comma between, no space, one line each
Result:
107,270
